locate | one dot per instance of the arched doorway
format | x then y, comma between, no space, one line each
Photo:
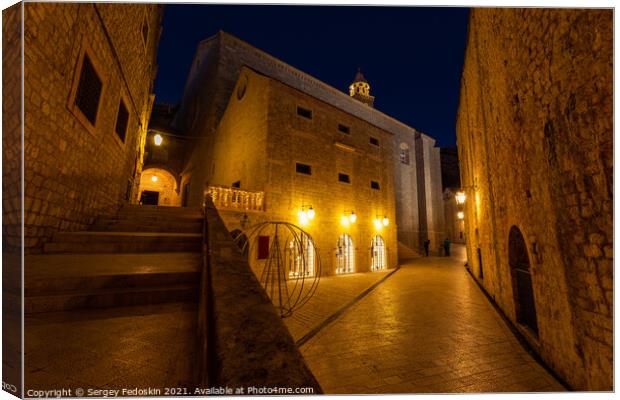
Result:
345,255
301,257
519,262
159,187
377,254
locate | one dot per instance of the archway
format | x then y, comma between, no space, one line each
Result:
345,255
158,187
377,254
519,262
301,257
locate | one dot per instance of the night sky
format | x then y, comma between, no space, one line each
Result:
411,56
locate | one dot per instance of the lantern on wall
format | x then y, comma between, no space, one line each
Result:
459,197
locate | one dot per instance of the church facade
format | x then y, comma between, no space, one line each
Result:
271,143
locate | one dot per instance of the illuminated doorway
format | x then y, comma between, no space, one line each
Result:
301,257
345,255
377,254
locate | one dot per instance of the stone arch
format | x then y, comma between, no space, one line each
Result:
520,271
378,254
161,184
345,255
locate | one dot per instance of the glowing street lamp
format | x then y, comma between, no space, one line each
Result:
460,215
460,197
154,178
378,225
385,221
158,139
310,213
352,217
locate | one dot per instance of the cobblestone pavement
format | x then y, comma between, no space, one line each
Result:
332,293
120,347
427,329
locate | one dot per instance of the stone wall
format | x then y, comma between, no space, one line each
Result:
74,169
12,319
535,143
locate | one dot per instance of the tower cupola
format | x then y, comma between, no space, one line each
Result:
360,89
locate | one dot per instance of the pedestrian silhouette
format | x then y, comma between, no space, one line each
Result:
427,245
446,246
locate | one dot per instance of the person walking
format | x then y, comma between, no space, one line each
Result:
427,245
446,247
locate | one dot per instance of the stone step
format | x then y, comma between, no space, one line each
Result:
111,297
55,282
182,212
123,242
147,225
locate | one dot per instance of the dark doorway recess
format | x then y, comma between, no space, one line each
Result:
149,198
522,280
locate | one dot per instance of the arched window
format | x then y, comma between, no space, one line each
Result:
404,153
301,257
345,255
377,254
523,292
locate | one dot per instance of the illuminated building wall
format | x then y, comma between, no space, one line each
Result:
212,86
535,141
88,77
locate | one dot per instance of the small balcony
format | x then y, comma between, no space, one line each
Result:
230,198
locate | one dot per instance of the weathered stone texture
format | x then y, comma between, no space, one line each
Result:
535,140
74,170
260,139
210,89
12,259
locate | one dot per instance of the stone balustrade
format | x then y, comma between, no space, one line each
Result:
236,199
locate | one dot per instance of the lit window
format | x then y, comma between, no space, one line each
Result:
345,255
303,169
304,112
344,178
88,91
377,251
301,257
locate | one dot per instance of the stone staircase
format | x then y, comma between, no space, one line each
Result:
406,253
142,255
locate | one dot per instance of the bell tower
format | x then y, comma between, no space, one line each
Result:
360,89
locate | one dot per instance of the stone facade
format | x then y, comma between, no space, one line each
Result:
260,140
410,193
76,166
535,143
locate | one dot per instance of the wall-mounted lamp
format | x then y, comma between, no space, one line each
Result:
154,178
158,139
352,217
460,215
305,215
385,221
460,197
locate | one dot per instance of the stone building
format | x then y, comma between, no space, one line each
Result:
88,81
260,130
535,142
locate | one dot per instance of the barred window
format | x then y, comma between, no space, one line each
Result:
121,120
404,153
89,91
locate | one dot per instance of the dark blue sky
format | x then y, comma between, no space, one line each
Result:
411,56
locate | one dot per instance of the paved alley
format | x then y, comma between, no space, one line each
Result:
427,329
